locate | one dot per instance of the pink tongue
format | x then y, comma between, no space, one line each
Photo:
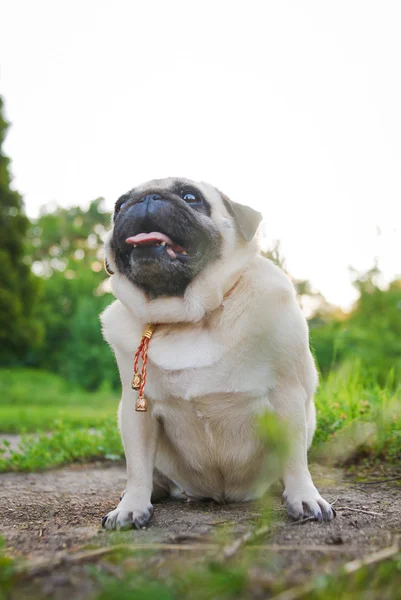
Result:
141,239
148,238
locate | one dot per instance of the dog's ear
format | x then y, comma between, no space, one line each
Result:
247,219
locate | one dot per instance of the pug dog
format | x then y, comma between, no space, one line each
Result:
229,342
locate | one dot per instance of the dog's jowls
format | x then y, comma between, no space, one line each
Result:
216,359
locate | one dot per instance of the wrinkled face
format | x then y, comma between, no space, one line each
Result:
164,236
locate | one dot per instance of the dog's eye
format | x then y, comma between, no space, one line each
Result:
190,197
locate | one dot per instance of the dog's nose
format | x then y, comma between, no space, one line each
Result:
150,198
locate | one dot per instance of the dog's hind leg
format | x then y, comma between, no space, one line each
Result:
161,486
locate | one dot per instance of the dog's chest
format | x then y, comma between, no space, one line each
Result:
208,414
197,365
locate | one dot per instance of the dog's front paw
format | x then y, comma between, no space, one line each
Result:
303,500
128,515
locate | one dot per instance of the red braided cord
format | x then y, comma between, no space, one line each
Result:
137,354
144,363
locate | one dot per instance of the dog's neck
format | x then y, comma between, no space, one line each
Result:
206,293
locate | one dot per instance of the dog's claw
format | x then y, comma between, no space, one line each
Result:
308,504
121,519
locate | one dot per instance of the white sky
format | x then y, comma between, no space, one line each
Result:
291,107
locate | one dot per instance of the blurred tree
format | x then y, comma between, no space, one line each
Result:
67,252
371,332
19,330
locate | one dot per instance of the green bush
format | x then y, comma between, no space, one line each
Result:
371,333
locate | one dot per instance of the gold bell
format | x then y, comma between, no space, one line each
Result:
136,381
141,404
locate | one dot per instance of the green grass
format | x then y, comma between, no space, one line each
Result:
356,418
31,401
82,424
64,445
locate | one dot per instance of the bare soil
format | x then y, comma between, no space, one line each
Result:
57,513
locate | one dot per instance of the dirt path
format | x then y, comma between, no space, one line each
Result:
60,511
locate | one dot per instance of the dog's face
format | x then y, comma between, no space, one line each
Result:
166,232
